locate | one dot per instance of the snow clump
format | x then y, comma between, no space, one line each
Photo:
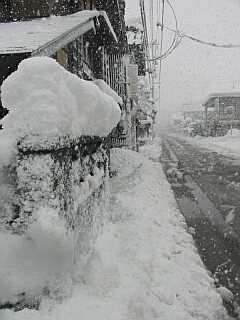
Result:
45,99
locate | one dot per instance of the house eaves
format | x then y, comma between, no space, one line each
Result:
47,35
212,96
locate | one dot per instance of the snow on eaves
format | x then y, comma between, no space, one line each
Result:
53,32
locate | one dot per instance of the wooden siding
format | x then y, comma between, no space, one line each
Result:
27,9
114,72
62,57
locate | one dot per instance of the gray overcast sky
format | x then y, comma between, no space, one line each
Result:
192,70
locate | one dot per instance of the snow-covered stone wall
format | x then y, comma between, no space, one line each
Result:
65,176
69,177
52,207
52,156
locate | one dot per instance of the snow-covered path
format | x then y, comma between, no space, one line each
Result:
144,265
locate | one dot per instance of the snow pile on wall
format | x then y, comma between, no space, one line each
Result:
45,99
108,90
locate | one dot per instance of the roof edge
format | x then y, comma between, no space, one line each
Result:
220,94
52,46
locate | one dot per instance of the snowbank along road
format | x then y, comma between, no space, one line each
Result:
206,187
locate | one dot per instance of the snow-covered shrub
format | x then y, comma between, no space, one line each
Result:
145,104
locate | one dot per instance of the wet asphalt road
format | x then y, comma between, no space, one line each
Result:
208,194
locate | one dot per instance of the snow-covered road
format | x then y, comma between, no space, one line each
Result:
228,145
144,265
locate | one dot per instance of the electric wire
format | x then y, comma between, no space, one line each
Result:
204,42
176,39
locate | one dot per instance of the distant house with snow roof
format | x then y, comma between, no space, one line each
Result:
223,106
87,37
222,111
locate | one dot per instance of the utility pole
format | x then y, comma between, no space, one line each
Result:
151,16
161,51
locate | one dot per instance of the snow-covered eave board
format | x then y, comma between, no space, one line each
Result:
233,94
45,36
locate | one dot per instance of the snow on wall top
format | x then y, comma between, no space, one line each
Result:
28,36
46,100
108,90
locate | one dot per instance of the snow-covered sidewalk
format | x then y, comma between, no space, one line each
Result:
145,265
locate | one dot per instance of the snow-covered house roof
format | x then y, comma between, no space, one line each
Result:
45,36
212,96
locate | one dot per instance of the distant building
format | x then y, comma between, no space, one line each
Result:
222,111
223,107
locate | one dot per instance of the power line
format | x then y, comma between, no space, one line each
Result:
204,42
176,40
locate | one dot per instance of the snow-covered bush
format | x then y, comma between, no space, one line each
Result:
145,103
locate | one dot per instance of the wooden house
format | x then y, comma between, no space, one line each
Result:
74,41
222,111
90,43
223,106
87,37
15,10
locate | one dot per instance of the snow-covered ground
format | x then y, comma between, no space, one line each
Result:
144,264
228,145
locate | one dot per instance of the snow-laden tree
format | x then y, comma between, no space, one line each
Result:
145,103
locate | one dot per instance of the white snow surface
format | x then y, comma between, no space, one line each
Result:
144,265
228,145
36,260
28,36
45,99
